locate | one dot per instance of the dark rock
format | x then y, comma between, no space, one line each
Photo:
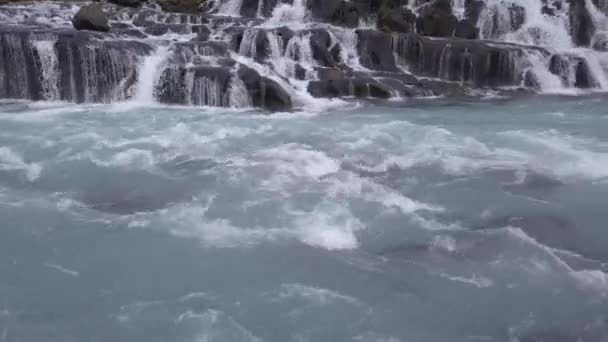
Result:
331,73
338,12
396,20
300,72
581,23
160,29
474,62
600,42
466,29
264,92
376,50
322,50
202,32
91,17
128,3
181,6
357,87
473,9
531,80
583,77
517,16
209,86
436,19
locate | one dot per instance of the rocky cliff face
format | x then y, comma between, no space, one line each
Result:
281,54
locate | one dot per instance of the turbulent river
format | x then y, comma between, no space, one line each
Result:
432,220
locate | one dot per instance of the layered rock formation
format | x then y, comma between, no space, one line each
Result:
281,54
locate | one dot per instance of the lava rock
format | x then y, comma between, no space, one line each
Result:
92,18
338,12
600,42
160,29
583,77
358,87
182,6
128,3
376,50
202,32
469,61
396,20
264,92
473,9
436,19
581,23
466,29
322,50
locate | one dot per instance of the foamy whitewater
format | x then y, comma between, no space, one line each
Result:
418,221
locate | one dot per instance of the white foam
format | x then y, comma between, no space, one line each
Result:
330,226
292,161
477,281
216,326
11,160
314,295
563,155
62,269
148,74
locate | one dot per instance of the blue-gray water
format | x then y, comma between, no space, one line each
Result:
430,221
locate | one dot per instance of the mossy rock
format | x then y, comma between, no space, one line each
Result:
181,6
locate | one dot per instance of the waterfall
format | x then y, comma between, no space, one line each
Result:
148,74
49,68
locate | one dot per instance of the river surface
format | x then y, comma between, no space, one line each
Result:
422,221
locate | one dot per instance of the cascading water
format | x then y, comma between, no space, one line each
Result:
148,74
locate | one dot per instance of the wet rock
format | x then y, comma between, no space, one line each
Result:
473,62
199,85
376,50
264,92
161,29
300,72
202,32
338,12
91,17
473,9
517,16
581,23
128,3
396,19
583,77
357,87
323,51
600,42
436,19
181,6
331,73
531,80
466,29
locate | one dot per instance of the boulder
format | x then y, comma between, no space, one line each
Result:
264,92
92,18
436,19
